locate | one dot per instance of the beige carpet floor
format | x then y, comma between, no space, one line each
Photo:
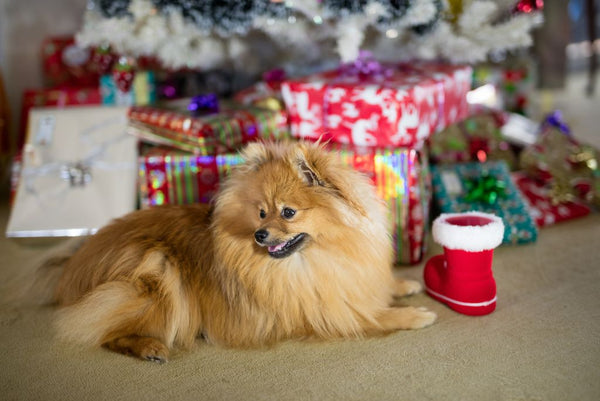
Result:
542,342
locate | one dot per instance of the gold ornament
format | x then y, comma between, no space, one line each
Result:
455,9
270,103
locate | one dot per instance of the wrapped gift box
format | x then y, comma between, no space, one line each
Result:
78,172
168,176
266,94
399,105
558,159
401,177
463,187
66,64
57,98
477,138
513,82
211,134
142,91
545,203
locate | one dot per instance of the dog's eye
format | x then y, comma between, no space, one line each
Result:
262,214
287,213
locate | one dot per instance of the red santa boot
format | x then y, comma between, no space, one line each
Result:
462,277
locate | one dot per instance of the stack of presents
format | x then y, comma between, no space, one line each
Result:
105,148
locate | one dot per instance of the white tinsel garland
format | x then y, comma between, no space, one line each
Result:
470,40
475,36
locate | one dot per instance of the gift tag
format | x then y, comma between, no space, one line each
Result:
520,130
452,182
45,130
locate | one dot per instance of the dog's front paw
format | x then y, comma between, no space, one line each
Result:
406,287
405,318
421,317
147,348
154,351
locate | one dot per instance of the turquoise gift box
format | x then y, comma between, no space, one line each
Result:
141,93
458,188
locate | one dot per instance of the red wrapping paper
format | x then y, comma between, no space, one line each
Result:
212,134
64,63
169,176
401,106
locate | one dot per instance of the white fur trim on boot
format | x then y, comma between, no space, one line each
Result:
471,238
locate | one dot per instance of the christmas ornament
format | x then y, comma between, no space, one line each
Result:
123,74
274,77
203,105
103,59
527,6
455,9
556,119
462,276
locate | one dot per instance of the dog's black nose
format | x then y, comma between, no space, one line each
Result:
261,235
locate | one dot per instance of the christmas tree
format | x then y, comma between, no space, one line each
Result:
257,34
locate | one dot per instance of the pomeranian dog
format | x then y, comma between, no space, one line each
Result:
295,245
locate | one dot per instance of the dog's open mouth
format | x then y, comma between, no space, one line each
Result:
286,248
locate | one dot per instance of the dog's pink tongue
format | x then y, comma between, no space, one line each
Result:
277,247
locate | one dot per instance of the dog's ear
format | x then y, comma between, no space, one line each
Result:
256,154
305,167
318,167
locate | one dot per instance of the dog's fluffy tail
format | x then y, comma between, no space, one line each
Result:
35,285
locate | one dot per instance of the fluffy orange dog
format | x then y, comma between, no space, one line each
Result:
296,245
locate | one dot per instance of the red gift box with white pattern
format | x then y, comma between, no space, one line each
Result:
541,206
66,64
401,105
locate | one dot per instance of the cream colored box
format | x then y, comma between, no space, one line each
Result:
79,172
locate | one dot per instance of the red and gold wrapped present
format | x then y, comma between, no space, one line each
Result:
377,105
401,177
477,138
65,63
559,160
266,94
545,204
57,98
211,134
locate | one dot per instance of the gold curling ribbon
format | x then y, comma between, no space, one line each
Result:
561,191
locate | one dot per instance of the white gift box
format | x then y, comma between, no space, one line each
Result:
78,172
